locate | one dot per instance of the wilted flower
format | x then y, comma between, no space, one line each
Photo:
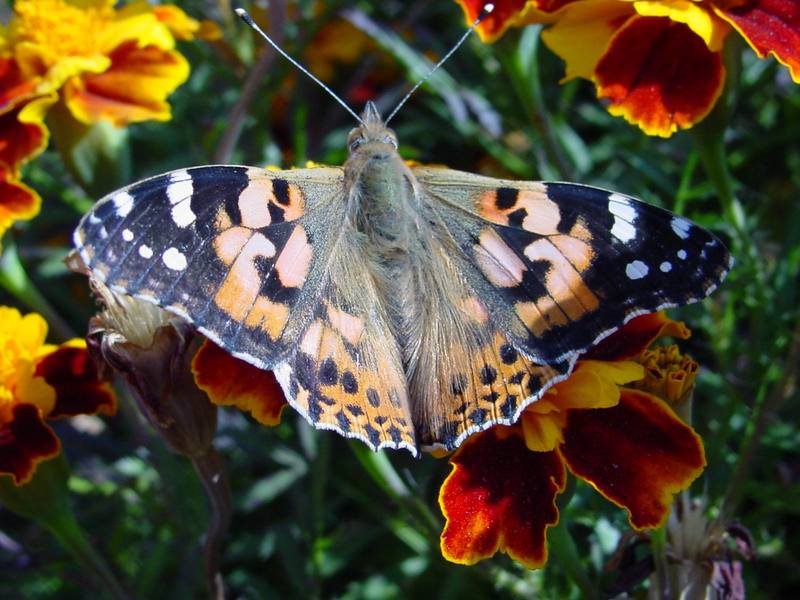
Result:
628,444
40,382
657,62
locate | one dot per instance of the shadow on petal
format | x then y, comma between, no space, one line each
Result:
636,335
229,381
637,454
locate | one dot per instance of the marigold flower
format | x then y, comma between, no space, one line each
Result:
626,443
39,382
657,62
114,64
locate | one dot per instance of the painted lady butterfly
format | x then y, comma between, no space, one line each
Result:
402,305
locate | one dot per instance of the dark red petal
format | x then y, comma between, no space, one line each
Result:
500,496
25,441
638,454
769,26
635,336
79,391
659,75
230,381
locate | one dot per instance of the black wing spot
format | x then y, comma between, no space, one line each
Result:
328,373
280,189
349,382
506,197
508,354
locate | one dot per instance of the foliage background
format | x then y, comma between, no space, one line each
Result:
317,516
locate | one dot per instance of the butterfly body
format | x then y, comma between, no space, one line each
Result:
403,306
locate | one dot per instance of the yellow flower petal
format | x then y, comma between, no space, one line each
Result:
593,384
543,432
697,15
583,32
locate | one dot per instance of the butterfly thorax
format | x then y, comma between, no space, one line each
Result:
381,193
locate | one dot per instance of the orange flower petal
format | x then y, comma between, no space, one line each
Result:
20,142
134,88
184,27
13,87
500,496
71,372
637,454
229,381
659,75
509,13
500,19
636,335
17,201
769,26
25,441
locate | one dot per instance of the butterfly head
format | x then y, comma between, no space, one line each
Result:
372,135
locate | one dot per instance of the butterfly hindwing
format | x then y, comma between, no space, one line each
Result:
567,264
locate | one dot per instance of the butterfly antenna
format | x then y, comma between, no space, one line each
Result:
485,12
245,16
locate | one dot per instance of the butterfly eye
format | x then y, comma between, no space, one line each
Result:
355,143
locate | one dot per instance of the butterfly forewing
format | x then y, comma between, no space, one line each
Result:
236,251
567,264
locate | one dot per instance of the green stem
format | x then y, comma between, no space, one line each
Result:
385,475
14,279
658,546
69,533
562,547
784,389
522,67
45,500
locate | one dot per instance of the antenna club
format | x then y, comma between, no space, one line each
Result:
488,8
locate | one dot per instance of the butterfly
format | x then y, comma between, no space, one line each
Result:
404,306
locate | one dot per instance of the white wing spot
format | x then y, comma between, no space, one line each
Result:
681,227
665,267
624,218
127,235
636,270
123,202
145,251
682,254
174,259
182,213
93,219
103,233
180,186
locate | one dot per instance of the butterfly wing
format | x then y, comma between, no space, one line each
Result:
250,257
566,264
529,275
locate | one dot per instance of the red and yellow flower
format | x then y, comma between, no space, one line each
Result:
41,382
627,443
101,62
658,63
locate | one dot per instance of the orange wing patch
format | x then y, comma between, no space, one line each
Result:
552,270
494,385
339,381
